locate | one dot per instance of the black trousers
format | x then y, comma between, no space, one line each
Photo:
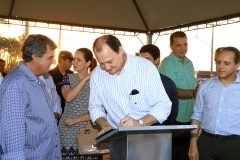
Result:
210,148
181,144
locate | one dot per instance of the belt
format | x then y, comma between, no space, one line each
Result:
220,137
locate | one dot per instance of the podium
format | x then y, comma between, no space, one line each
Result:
143,142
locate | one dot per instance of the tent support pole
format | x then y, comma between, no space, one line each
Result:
149,38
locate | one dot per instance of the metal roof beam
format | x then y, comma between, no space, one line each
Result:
187,25
235,18
11,9
73,24
68,27
140,14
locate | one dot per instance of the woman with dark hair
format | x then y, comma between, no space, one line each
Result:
75,91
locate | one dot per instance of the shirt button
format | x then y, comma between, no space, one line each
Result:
57,157
56,145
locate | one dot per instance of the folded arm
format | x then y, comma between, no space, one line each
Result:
70,93
73,120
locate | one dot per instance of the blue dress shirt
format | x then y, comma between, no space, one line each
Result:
217,107
111,93
28,127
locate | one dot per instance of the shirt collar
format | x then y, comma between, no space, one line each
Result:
237,78
125,65
176,59
27,72
127,62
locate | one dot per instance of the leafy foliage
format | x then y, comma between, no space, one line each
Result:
4,21
10,50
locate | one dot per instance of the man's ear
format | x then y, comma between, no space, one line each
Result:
120,49
35,58
170,46
238,65
156,61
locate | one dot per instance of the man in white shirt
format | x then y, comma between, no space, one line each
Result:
125,90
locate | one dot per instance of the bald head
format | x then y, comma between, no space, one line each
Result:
110,40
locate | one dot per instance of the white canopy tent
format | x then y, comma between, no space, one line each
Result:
140,16
123,16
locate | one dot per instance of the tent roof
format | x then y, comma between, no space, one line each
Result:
143,16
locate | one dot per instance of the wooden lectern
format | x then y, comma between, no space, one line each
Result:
144,142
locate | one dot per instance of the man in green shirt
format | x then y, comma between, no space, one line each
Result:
180,69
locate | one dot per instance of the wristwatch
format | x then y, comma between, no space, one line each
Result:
140,122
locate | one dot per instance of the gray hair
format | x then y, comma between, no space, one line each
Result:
36,44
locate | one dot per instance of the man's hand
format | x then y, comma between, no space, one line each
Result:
193,153
102,122
128,121
104,129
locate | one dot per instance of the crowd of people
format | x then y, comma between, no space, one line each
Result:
42,110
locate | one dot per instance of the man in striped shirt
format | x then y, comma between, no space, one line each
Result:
125,90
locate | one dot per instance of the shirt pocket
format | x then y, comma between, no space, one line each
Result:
137,102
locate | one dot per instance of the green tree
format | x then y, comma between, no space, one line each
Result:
10,50
4,21
10,47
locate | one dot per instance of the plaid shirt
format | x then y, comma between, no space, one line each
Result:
28,127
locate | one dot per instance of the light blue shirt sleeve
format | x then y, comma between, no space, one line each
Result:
12,120
13,156
96,108
198,105
157,96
